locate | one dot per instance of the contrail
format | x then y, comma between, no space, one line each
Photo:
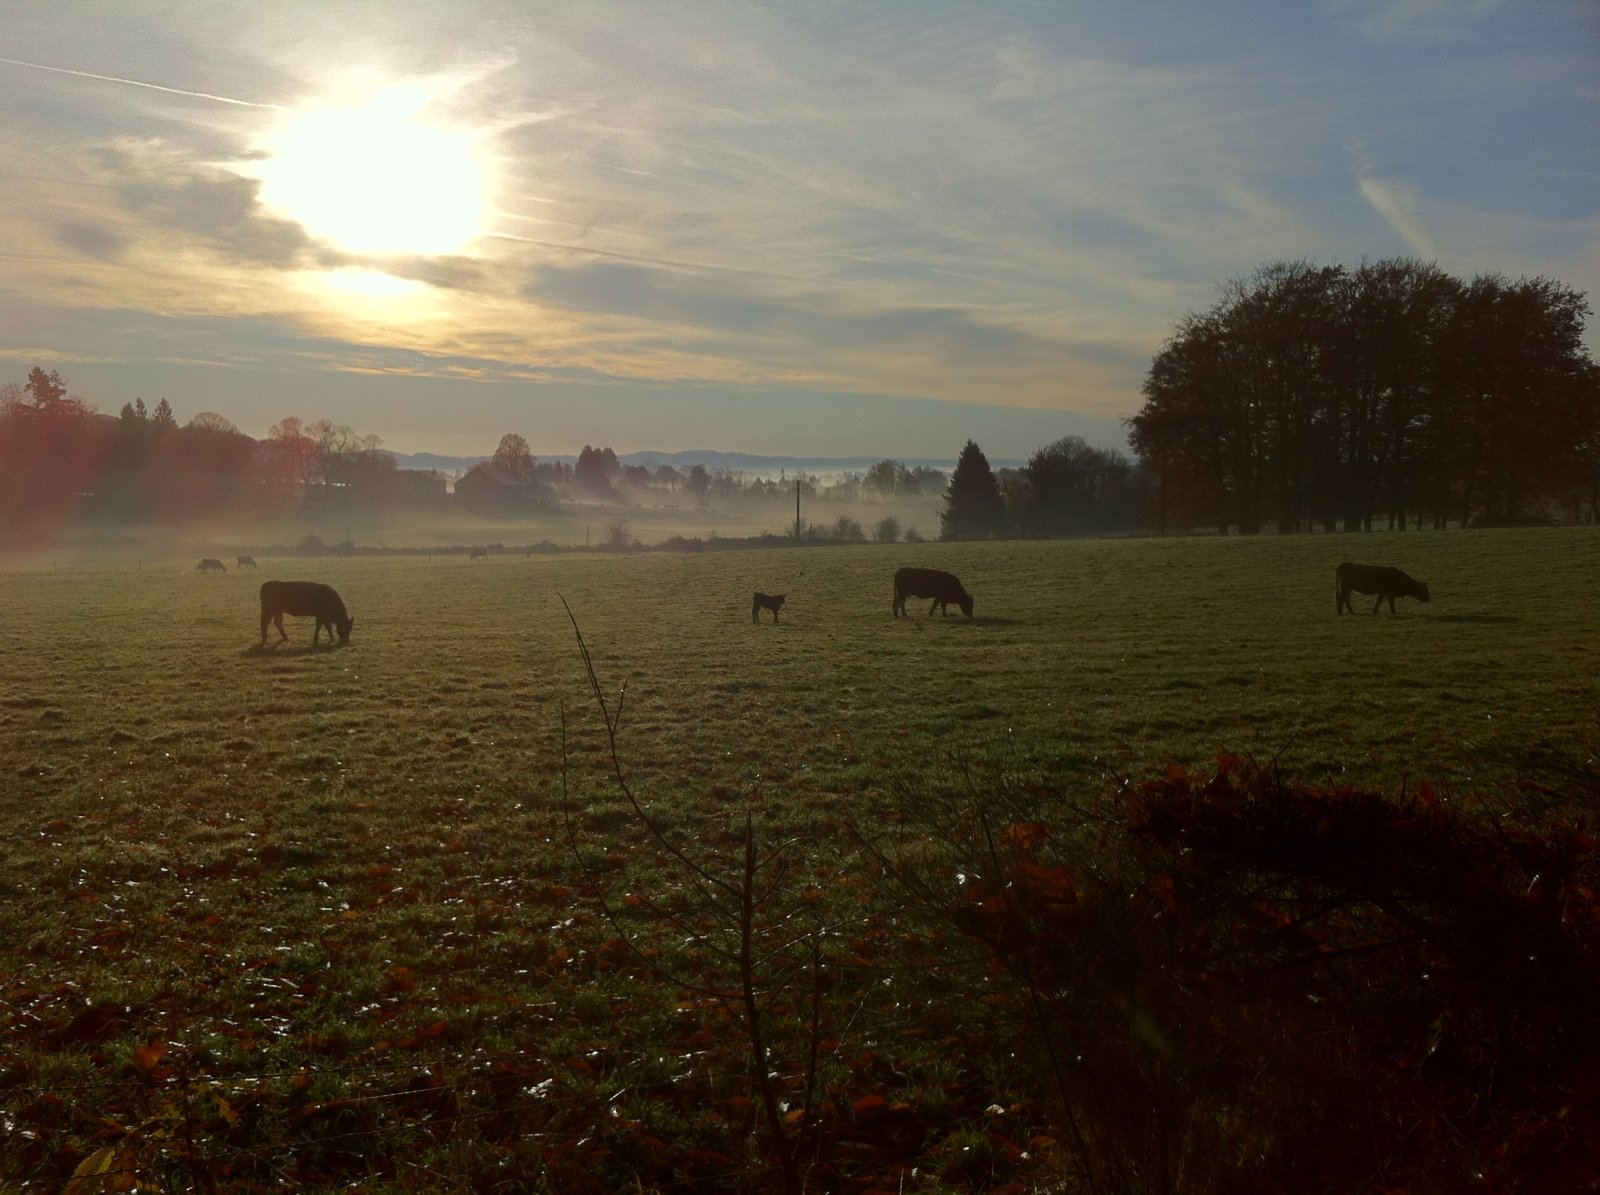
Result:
199,95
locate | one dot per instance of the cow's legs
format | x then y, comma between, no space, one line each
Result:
283,635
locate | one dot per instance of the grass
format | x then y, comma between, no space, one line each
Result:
310,871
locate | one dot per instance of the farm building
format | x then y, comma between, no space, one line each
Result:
490,488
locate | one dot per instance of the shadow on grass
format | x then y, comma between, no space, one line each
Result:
976,621
279,651
1489,619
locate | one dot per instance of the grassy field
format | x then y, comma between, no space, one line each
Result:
283,864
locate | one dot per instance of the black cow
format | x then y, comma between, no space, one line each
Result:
304,599
247,560
933,583
210,564
1381,579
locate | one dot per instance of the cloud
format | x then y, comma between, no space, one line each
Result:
161,188
1411,21
1399,204
92,239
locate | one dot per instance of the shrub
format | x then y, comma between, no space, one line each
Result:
1233,983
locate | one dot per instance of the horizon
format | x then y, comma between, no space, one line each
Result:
780,228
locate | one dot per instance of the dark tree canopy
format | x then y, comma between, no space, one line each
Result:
973,506
1314,396
596,472
1070,487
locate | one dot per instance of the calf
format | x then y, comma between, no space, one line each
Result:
933,583
305,599
1388,583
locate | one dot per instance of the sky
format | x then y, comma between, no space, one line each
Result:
806,227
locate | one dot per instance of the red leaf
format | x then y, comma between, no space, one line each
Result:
1425,795
1024,836
146,1057
869,1106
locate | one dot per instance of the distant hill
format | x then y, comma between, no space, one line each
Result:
735,462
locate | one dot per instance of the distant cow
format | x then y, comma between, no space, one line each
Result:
211,565
304,599
246,560
933,583
478,554
1380,579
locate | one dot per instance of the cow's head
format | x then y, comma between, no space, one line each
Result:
1422,592
344,624
965,602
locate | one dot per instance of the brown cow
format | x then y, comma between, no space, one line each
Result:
933,583
1385,581
305,599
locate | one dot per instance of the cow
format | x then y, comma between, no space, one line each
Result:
478,554
210,564
246,560
1381,579
933,583
304,599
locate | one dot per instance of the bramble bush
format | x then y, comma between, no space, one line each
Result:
1234,983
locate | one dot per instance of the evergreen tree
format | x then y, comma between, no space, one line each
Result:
163,418
47,388
973,506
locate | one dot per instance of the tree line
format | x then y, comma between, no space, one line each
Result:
1305,397
1390,395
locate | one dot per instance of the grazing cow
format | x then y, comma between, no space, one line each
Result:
933,583
1380,579
305,599
478,554
764,601
246,560
211,564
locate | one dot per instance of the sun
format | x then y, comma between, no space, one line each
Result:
377,177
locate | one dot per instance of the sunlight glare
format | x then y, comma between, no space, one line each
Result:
377,177
371,284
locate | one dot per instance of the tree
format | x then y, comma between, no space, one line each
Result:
1311,395
210,421
294,452
884,477
595,472
514,456
47,389
698,482
163,419
973,507
1073,487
